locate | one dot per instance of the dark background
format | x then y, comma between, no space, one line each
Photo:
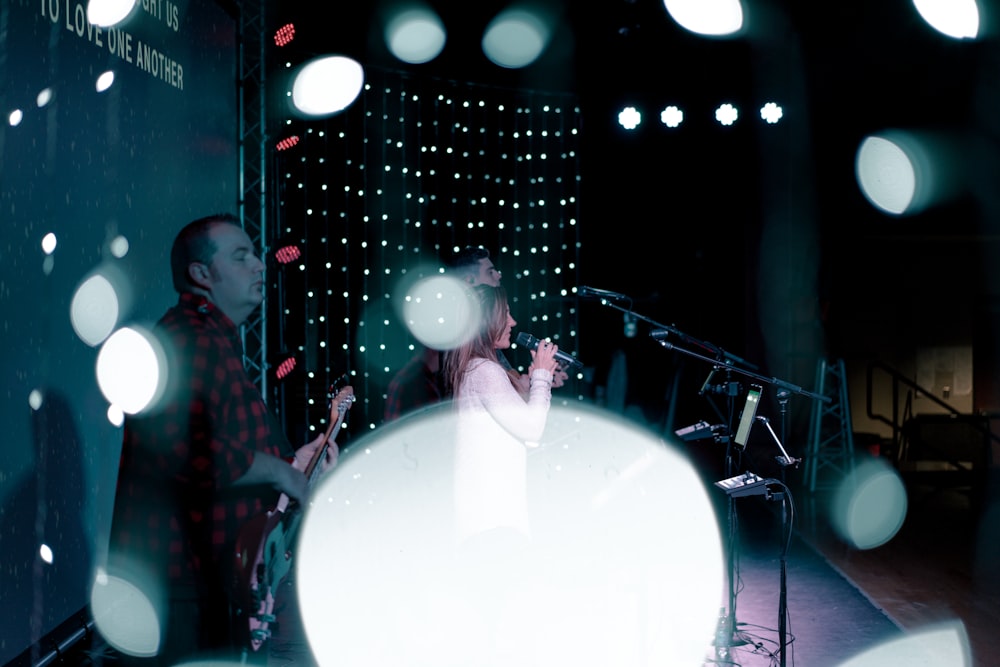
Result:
754,239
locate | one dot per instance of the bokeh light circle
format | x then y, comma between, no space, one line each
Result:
440,312
327,85
416,35
94,310
622,564
131,369
869,505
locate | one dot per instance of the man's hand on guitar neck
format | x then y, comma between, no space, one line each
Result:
304,455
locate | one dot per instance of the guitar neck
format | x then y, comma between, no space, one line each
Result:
312,470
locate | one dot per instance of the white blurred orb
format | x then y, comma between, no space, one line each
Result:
131,371
953,18
622,564
943,644
119,246
35,399
327,85
440,312
126,613
93,310
49,243
710,18
104,81
885,174
415,35
106,13
516,38
115,415
869,505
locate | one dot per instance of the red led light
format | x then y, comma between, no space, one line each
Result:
285,367
287,143
284,34
287,254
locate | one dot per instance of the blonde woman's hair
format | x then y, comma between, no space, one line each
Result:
493,320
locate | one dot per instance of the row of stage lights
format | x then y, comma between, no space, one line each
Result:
630,117
515,38
518,35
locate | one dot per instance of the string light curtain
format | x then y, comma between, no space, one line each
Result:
386,190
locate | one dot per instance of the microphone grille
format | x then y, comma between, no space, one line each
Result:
525,339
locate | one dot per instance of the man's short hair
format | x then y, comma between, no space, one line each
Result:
193,244
466,260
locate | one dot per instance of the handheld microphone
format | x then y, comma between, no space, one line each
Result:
583,290
565,360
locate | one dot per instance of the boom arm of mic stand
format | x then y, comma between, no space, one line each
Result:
743,371
683,336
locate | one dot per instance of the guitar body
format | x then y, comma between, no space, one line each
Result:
264,546
255,591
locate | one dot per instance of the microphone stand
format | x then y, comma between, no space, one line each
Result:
785,389
791,388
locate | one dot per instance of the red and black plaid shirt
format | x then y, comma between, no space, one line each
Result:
414,386
175,509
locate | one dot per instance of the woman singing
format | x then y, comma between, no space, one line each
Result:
496,424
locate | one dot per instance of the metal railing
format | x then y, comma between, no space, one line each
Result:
903,390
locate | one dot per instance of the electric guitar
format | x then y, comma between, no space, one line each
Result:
264,544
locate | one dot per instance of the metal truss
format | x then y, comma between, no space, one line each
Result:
253,172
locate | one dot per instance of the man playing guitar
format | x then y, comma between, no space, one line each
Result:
199,463
264,548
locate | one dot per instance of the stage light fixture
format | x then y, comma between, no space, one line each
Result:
629,118
285,367
671,116
284,34
726,114
287,253
286,143
771,113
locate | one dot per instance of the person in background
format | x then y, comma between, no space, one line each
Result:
416,385
472,264
196,467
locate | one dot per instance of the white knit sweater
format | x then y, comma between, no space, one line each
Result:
495,426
